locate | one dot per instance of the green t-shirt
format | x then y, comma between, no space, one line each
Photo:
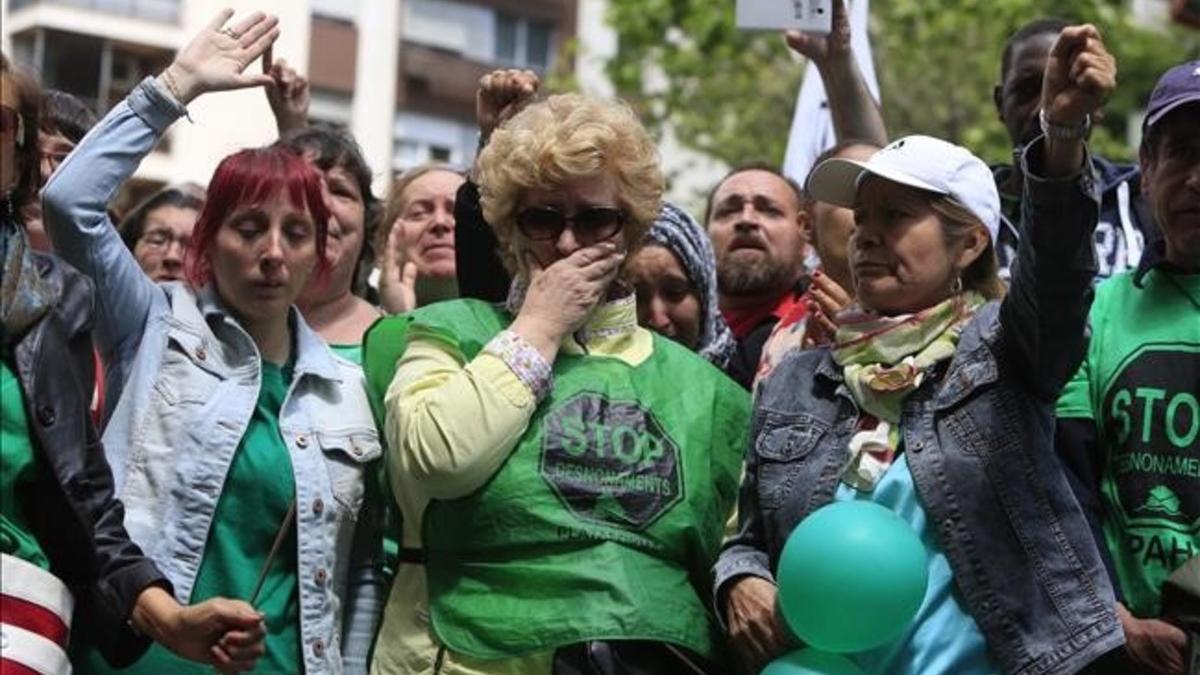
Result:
17,466
1140,384
258,490
352,352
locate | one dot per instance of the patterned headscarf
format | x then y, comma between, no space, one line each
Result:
24,295
682,235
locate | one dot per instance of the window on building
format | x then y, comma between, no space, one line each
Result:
72,63
421,138
506,38
465,28
165,11
100,72
537,45
129,66
523,42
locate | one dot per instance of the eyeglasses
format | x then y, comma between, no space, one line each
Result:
54,153
590,225
53,159
11,122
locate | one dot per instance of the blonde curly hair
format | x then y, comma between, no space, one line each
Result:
564,139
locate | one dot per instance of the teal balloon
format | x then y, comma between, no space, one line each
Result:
851,577
811,662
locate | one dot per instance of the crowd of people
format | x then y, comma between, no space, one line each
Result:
531,418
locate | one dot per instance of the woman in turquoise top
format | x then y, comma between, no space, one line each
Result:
935,400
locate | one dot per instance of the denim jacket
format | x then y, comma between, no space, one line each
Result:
979,438
188,378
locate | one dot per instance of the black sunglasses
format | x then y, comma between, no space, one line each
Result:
590,225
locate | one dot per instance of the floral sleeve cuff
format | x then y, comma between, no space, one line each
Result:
524,360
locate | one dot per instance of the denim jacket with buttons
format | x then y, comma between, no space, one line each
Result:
186,378
979,438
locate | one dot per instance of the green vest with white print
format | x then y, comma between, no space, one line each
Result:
606,518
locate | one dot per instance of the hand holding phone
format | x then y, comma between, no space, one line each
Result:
810,16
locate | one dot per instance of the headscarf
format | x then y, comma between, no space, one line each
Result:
682,235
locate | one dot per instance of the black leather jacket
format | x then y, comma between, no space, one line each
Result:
70,506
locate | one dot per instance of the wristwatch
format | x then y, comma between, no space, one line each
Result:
1060,132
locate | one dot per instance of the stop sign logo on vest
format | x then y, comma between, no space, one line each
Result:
610,461
1151,417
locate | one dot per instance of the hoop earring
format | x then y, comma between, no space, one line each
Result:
956,286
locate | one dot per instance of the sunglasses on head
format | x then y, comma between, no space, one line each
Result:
11,122
590,225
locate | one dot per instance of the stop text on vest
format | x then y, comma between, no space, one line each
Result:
625,443
1177,415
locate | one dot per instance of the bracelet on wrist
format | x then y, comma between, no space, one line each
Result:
171,84
1062,132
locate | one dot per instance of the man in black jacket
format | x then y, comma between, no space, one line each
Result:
1126,227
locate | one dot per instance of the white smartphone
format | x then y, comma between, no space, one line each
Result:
810,16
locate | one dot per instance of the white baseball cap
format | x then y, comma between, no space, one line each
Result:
922,162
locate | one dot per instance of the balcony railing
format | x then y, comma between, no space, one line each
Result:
163,11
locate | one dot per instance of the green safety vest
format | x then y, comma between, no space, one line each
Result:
604,521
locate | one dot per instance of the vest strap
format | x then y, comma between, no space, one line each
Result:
412,556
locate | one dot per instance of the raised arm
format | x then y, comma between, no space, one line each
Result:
76,218
288,95
501,95
1044,315
854,111
77,196
451,422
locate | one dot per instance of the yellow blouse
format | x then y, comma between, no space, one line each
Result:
450,425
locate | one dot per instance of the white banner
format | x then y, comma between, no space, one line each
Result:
812,127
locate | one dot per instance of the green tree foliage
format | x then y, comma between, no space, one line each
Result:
730,93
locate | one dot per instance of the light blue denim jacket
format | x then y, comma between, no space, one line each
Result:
185,377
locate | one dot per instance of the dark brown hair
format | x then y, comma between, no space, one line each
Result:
65,114
753,166
26,156
133,226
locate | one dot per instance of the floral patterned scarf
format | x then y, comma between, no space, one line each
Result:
884,359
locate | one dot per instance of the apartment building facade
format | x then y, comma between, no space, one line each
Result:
399,74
